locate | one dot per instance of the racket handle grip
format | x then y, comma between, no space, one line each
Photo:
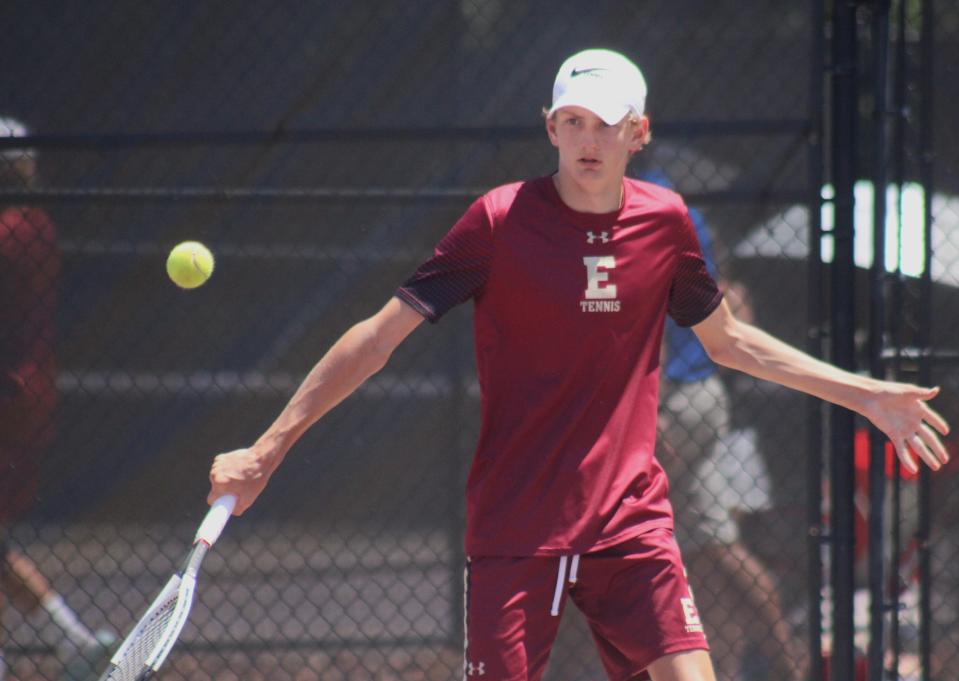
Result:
216,519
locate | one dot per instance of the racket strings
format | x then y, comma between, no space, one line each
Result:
155,624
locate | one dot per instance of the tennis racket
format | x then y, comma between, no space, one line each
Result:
147,646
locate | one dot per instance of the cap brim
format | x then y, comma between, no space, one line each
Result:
611,112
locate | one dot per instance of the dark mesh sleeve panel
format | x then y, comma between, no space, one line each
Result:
458,269
694,293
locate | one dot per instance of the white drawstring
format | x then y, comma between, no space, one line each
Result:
559,586
560,580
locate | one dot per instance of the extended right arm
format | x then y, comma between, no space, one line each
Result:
357,355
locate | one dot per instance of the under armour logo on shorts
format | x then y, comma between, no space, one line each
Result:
477,669
602,236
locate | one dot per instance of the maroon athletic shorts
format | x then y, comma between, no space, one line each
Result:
634,595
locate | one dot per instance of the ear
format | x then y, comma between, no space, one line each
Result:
551,130
640,134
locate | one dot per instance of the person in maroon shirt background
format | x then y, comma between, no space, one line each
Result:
29,271
28,277
571,277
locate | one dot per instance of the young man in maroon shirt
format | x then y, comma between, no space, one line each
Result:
571,278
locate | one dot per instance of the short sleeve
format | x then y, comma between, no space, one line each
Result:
458,269
693,294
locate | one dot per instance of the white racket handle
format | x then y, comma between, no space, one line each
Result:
215,520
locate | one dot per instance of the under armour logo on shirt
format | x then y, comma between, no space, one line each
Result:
602,236
478,669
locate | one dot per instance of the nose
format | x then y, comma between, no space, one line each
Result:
590,140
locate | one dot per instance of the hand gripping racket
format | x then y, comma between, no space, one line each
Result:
147,646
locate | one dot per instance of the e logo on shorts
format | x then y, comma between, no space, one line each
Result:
693,623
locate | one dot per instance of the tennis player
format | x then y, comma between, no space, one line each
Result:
571,278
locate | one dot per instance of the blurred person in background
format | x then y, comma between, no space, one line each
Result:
717,475
29,270
571,276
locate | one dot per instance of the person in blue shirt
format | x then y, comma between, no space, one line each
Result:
694,405
717,474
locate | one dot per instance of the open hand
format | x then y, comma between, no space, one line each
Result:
901,412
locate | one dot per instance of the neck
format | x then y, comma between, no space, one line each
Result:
583,199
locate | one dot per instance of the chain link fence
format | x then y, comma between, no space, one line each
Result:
321,150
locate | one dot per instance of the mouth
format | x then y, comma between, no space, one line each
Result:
588,162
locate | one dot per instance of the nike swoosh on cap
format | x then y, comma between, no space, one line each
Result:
581,72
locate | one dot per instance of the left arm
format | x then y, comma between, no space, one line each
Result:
898,409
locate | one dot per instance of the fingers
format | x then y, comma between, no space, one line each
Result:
217,491
933,445
223,482
214,490
925,445
925,442
906,456
238,473
919,447
933,417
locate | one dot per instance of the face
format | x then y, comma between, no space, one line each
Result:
592,152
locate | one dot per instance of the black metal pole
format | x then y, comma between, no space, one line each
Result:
898,334
877,312
926,169
844,164
814,472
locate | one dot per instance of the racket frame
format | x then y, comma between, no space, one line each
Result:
181,611
183,582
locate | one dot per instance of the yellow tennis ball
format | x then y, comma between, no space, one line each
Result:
189,264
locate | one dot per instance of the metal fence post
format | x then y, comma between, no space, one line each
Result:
844,164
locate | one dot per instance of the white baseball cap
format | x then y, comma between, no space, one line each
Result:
603,81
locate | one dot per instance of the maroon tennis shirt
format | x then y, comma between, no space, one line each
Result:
568,319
